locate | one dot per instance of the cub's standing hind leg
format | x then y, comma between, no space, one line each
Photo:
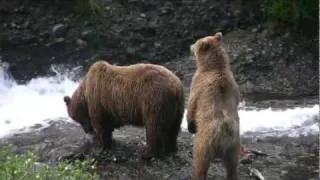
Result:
201,158
231,161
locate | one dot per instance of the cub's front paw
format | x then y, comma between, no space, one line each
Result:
192,127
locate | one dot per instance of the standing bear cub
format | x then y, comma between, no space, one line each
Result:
213,108
148,95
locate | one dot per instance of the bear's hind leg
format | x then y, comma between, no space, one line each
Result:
154,141
201,158
170,135
231,161
171,118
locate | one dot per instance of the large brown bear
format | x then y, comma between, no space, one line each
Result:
111,96
213,108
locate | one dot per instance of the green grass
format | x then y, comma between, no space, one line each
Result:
25,167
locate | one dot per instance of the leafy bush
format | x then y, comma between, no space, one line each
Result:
25,166
87,7
291,11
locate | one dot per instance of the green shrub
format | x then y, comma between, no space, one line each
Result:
87,7
25,167
292,12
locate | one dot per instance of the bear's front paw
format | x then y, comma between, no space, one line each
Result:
192,127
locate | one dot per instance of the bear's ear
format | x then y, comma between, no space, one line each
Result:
219,36
67,100
192,48
204,44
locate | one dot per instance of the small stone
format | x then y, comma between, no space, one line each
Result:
283,173
273,159
249,85
167,176
81,42
131,50
7,122
246,160
41,147
59,39
13,25
164,11
57,27
86,33
26,24
143,15
58,30
254,30
36,126
156,44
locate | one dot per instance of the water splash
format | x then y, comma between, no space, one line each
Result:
23,105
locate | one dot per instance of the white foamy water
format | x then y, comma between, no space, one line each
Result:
22,106
32,103
291,122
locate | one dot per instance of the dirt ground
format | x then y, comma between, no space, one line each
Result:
283,158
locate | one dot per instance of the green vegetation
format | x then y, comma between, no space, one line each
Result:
25,167
87,7
292,12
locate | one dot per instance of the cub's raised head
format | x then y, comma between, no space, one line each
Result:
78,112
206,44
209,51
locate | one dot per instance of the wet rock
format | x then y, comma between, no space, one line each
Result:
131,50
40,147
58,30
246,159
273,159
59,40
86,33
283,173
81,42
36,126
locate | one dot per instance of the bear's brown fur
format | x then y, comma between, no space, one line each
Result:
213,108
111,96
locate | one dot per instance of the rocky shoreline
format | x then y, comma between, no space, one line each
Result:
282,158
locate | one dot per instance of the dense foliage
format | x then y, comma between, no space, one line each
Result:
301,14
25,166
87,7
